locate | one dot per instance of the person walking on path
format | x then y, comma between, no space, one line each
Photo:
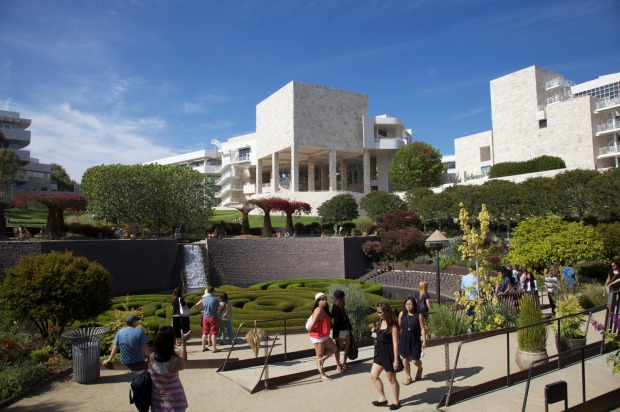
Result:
570,276
132,342
612,284
551,282
225,314
423,302
210,320
412,338
386,355
319,327
180,322
167,393
342,330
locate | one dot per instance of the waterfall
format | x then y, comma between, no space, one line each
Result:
195,274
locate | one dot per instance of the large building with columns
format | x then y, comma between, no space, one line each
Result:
311,143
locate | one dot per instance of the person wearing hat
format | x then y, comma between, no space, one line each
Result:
133,345
319,327
341,332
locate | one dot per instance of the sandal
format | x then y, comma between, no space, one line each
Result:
394,406
380,403
407,381
418,375
216,350
326,378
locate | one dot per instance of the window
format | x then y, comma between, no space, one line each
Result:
450,165
485,153
485,170
381,132
542,124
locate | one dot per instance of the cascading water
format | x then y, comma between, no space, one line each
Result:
195,274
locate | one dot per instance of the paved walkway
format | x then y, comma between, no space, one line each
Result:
479,362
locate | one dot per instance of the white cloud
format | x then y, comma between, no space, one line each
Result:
78,140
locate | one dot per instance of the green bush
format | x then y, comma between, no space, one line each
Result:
534,338
18,379
570,327
591,295
152,308
90,230
159,313
494,317
538,164
446,320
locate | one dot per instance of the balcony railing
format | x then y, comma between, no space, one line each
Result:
607,103
610,149
560,96
558,82
609,126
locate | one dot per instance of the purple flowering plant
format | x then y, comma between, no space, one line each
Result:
610,337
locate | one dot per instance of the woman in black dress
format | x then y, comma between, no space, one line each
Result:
409,344
179,322
386,355
341,332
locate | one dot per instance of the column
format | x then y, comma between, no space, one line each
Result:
259,177
366,166
275,174
333,184
294,168
324,177
310,174
343,175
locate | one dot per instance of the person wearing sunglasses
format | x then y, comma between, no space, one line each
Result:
386,355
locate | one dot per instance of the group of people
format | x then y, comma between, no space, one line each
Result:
399,340
164,362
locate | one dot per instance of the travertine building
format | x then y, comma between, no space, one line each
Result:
311,143
538,112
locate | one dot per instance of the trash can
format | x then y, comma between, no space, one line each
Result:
85,352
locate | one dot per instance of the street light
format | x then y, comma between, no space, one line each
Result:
436,242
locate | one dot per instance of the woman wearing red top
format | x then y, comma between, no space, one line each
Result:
319,329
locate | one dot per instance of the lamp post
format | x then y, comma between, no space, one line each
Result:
436,242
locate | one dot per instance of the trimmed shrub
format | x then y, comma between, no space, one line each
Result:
16,380
538,164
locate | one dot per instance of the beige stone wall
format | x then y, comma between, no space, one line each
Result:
467,153
274,122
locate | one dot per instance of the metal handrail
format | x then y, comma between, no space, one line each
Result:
275,338
507,333
547,359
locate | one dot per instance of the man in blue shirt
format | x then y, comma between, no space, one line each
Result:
210,319
133,345
569,275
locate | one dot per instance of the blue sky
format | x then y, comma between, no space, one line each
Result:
128,81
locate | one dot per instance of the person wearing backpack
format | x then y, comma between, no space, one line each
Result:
167,392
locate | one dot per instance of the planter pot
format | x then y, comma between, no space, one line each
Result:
566,344
525,359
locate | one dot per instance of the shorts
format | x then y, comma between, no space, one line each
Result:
210,326
319,340
343,334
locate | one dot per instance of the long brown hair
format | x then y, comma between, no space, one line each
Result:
164,344
388,315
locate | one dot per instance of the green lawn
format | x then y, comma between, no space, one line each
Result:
38,217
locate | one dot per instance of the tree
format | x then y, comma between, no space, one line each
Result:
603,192
574,202
56,204
401,238
416,165
610,233
293,208
63,181
245,218
540,197
267,205
503,200
381,203
56,289
414,196
340,208
551,241
159,196
437,208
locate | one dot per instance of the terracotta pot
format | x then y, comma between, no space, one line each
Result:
525,359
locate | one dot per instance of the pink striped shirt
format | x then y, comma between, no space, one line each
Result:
168,393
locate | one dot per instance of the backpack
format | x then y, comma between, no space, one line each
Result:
140,391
